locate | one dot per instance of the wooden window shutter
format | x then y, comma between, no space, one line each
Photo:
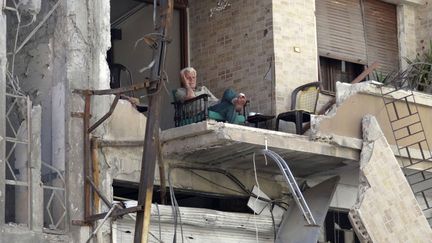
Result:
381,35
340,31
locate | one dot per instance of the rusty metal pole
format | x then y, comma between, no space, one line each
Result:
148,164
87,165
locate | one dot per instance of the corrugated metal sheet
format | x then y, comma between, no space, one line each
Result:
340,30
358,31
200,225
381,34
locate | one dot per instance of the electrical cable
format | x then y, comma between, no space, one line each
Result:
175,209
214,183
159,221
256,200
273,220
236,181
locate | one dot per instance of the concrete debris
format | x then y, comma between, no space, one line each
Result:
386,209
32,7
345,90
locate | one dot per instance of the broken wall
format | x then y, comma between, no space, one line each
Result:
234,49
355,101
386,209
66,53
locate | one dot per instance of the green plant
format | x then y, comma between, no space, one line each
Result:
384,78
419,73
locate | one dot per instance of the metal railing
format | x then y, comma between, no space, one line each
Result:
17,159
55,212
412,144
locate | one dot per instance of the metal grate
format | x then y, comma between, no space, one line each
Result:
412,144
17,160
55,212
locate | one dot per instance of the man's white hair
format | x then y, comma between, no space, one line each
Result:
187,70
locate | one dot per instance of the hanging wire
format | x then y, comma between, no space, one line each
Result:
214,183
242,187
175,209
159,221
257,198
273,220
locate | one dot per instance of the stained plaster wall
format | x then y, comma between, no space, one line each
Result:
424,26
234,49
67,53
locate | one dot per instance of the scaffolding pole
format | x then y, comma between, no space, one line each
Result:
145,191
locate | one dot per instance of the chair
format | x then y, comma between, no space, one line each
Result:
196,110
304,100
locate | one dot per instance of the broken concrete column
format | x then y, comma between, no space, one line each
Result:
25,164
386,209
36,191
21,192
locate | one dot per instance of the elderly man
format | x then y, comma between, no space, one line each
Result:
228,107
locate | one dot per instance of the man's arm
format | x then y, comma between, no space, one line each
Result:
212,98
180,94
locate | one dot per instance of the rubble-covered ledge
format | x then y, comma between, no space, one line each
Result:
353,101
206,135
341,125
345,90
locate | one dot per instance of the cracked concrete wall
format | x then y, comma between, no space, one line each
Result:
126,124
67,53
386,209
363,98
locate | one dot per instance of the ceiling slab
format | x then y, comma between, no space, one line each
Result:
223,145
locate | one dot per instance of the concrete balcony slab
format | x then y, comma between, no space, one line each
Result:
229,146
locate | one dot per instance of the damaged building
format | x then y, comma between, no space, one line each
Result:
334,146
